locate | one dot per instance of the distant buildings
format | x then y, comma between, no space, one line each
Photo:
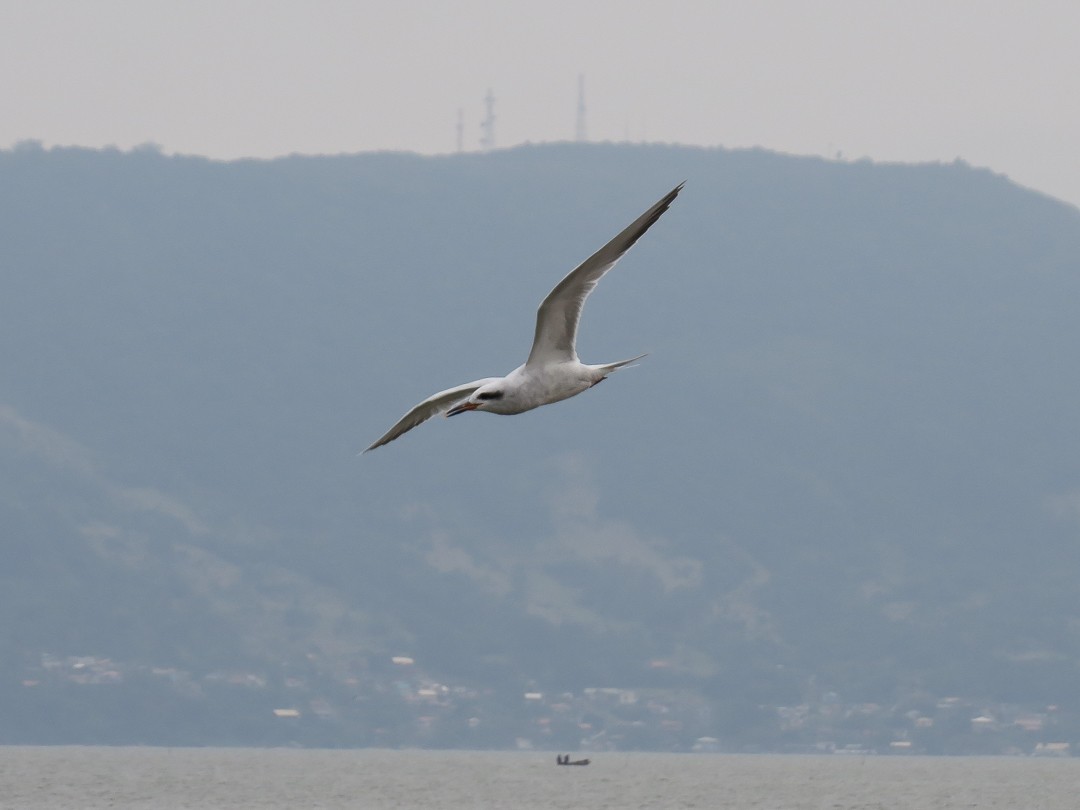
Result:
400,704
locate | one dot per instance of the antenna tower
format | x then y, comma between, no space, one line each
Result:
580,133
487,126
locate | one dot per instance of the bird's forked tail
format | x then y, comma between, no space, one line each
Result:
607,368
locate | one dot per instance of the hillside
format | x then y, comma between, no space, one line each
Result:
848,467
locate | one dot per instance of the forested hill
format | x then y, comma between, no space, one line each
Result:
849,465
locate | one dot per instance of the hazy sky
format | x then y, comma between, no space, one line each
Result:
994,83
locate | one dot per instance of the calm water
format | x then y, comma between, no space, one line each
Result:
207,778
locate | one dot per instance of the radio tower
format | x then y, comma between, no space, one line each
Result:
580,134
487,126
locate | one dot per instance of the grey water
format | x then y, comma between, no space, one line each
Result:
272,779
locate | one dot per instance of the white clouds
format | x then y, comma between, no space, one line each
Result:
581,532
578,535
447,558
24,436
146,499
21,435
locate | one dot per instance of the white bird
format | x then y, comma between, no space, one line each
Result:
553,371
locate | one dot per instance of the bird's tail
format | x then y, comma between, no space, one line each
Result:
607,368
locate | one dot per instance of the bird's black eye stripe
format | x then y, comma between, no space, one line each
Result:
490,395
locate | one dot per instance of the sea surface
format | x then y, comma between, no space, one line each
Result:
70,778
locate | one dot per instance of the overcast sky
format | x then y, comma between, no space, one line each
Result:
994,83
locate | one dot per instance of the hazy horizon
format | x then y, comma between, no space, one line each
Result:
893,82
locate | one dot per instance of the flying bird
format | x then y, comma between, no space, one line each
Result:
552,372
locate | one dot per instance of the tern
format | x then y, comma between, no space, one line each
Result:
553,371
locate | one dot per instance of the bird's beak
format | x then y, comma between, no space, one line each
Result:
464,406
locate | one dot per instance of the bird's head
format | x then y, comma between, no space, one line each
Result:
480,400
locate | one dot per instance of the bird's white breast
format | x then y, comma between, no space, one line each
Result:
528,388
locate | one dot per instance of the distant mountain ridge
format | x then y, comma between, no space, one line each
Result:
848,465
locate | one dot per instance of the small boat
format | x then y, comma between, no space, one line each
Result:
565,760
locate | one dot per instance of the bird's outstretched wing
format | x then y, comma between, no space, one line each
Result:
558,316
436,403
